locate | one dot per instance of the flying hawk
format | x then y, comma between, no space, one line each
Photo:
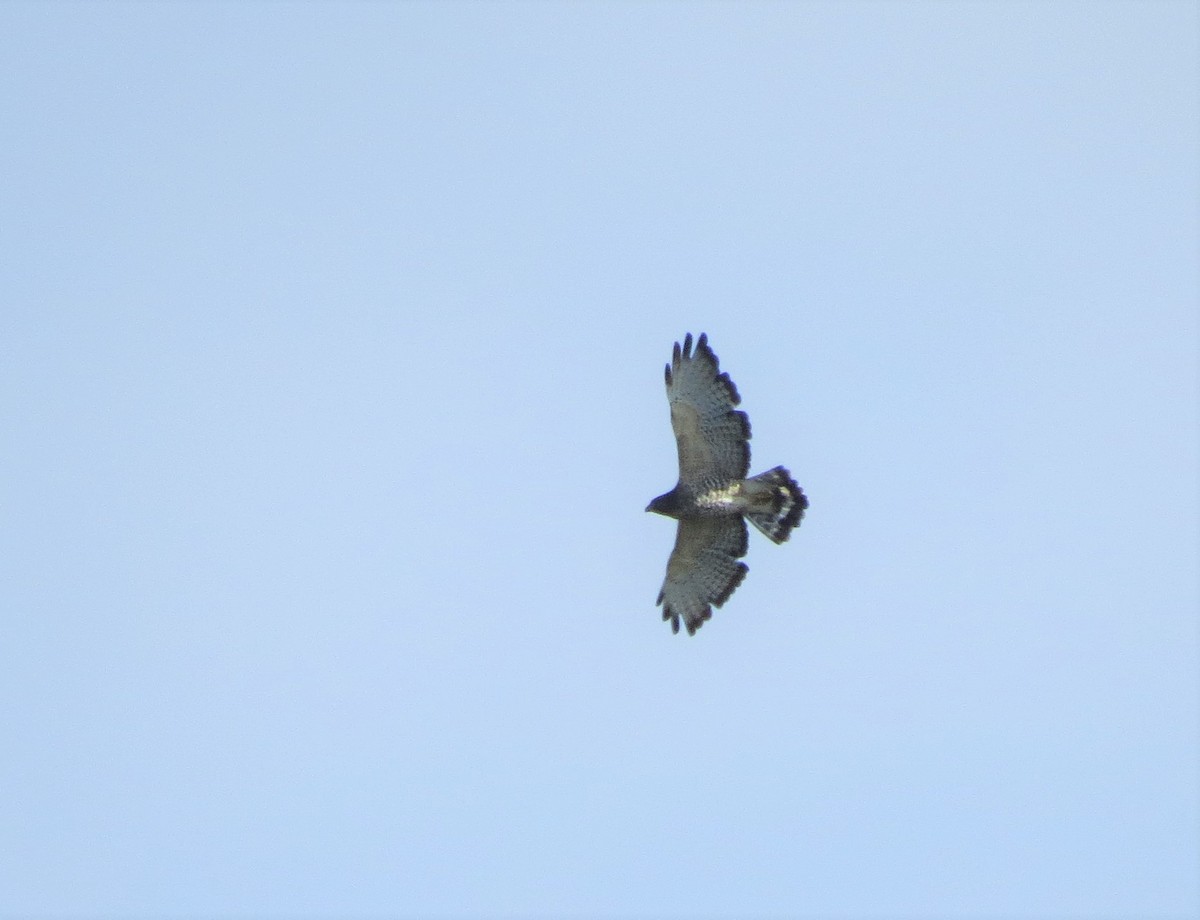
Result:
713,494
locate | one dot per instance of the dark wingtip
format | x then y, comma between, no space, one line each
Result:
669,614
734,396
734,581
687,345
701,618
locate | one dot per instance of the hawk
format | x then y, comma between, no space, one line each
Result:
713,496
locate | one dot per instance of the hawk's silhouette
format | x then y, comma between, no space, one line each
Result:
713,494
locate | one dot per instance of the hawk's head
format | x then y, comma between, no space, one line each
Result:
668,504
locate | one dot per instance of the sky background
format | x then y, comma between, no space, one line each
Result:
331,350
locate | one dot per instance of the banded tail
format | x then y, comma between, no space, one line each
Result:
774,503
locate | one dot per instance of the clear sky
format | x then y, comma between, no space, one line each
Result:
331,349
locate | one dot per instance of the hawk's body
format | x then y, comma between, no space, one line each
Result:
713,495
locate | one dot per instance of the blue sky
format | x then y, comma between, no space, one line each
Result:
331,395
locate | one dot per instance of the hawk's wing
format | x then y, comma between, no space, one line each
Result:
703,569
711,435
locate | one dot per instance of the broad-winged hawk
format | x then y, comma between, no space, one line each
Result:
713,496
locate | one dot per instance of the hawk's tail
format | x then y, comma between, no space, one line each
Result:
774,503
